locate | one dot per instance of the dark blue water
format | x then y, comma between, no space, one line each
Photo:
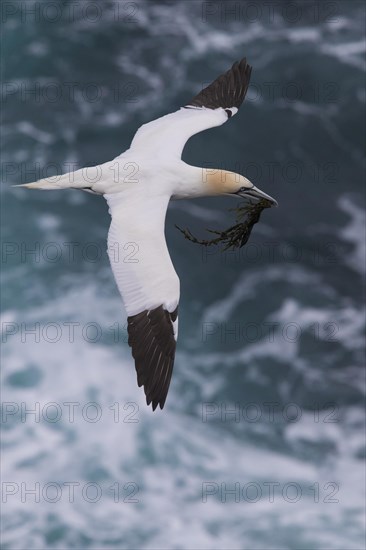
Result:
261,443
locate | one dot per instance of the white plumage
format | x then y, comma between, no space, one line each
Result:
138,186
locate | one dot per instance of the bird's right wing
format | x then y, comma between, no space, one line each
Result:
211,107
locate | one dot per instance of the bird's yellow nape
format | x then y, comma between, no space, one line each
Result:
218,182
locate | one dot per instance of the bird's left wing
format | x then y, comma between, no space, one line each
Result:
211,107
149,287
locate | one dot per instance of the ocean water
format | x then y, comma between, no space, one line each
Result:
261,443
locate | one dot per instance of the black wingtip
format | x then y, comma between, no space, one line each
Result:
228,90
151,337
155,402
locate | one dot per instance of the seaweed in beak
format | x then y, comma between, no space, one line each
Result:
247,215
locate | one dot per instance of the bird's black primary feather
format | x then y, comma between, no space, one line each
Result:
228,90
151,337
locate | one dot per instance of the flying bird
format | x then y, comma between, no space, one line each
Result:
138,202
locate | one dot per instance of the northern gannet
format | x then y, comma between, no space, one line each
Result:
146,279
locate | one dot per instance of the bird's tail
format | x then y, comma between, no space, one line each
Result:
80,179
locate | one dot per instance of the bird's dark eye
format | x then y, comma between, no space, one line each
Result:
242,189
229,113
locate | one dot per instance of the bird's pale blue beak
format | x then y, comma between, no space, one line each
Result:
255,193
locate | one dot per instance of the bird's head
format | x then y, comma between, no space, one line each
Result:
222,182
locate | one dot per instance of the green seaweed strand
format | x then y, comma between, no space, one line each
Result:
237,235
